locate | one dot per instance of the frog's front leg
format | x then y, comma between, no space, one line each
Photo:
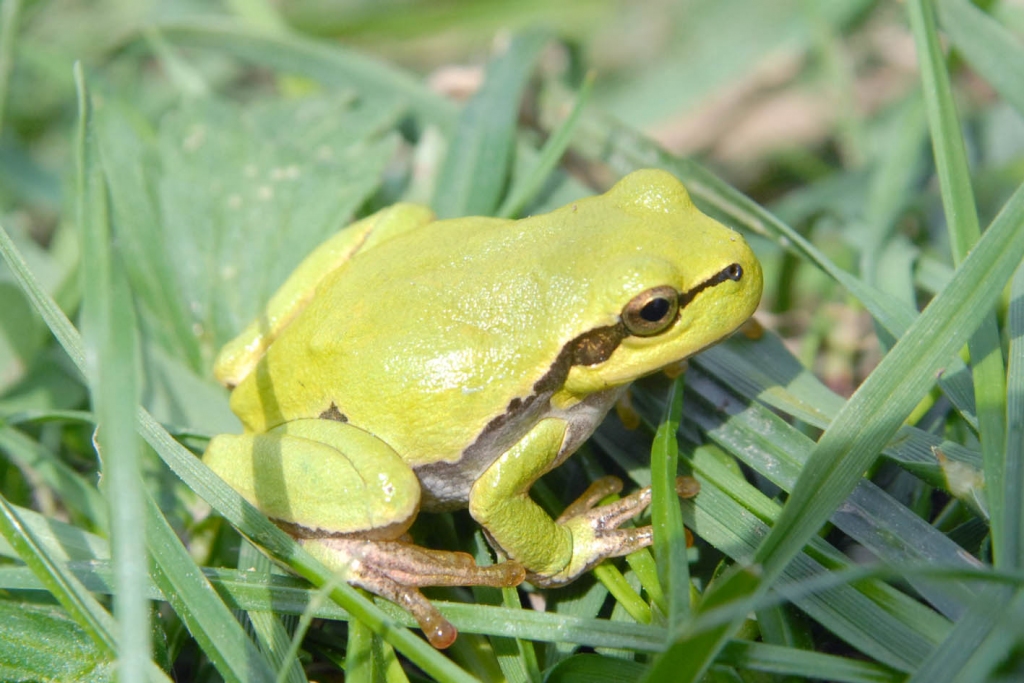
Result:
554,552
349,499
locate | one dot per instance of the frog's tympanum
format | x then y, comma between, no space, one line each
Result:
414,364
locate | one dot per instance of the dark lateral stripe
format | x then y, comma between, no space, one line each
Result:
732,272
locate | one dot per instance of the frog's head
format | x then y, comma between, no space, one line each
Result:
678,282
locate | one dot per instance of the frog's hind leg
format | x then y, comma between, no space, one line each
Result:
349,497
319,478
395,570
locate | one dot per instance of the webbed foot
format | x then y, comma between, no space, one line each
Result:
595,528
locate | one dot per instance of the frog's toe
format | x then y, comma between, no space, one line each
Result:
414,565
613,515
595,528
438,630
597,491
395,570
594,546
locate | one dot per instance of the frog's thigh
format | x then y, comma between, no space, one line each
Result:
320,477
500,502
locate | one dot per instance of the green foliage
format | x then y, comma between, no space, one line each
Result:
860,516
40,643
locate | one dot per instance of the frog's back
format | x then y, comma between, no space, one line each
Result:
425,339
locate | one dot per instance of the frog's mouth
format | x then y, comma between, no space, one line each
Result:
597,345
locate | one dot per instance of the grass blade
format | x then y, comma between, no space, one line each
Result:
110,341
61,584
274,641
962,222
788,661
949,658
892,391
691,655
476,168
669,535
1014,529
195,601
523,191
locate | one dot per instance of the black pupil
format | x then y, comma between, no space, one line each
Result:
734,272
655,309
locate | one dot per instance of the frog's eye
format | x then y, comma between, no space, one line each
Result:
651,312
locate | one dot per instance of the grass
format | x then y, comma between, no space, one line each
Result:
860,461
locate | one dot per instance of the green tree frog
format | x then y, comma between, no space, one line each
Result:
414,364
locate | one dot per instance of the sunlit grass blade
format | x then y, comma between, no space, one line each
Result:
666,519
624,594
66,543
1000,645
194,600
110,341
876,520
289,595
106,299
874,618
360,662
476,167
947,661
962,222
978,642
734,516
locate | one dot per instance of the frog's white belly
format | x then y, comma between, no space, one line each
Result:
446,485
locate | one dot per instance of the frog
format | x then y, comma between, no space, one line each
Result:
411,364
